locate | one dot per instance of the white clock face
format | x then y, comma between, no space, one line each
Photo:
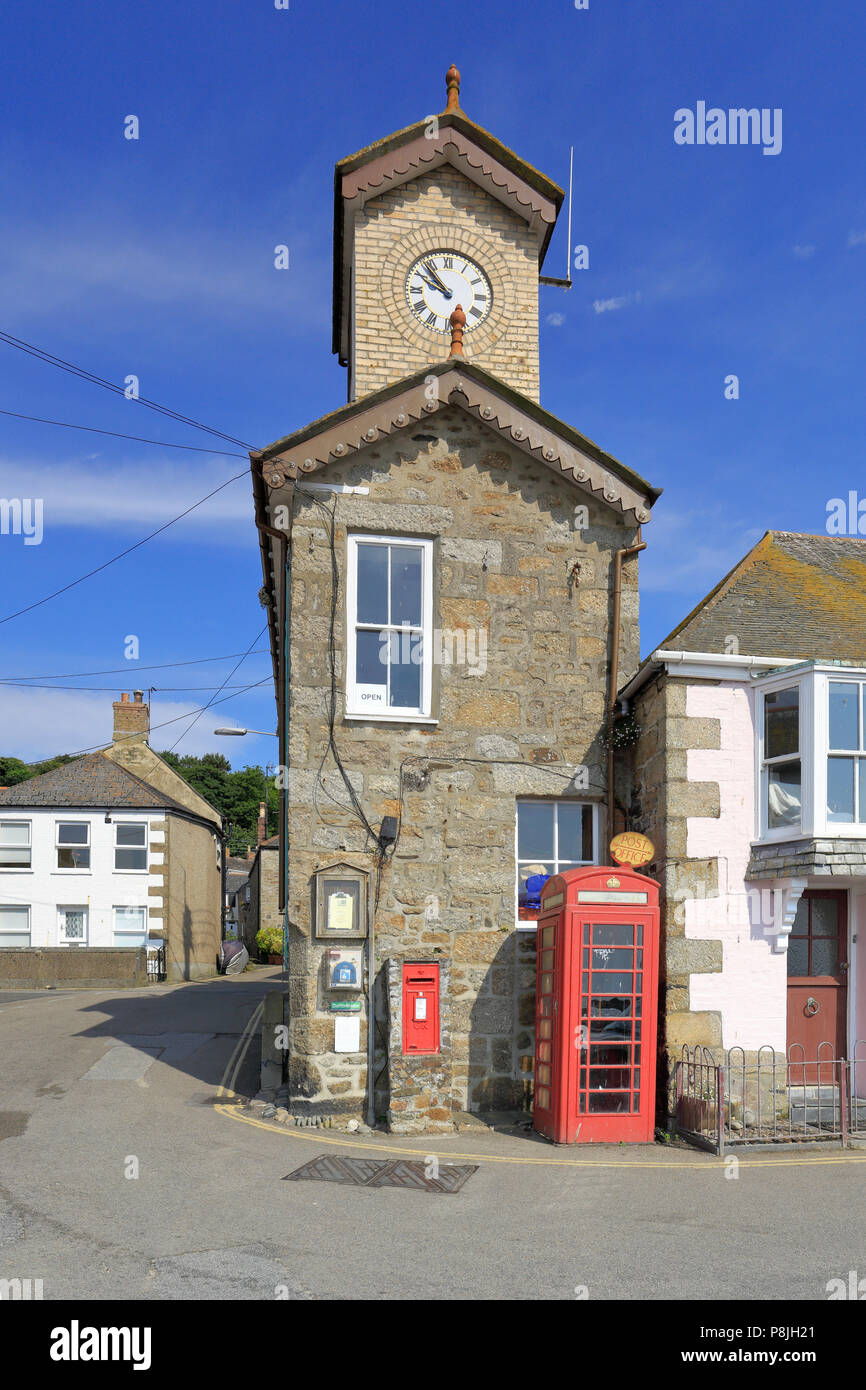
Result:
438,282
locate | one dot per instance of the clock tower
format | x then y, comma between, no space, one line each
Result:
437,215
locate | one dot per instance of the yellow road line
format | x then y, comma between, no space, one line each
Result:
317,1137
226,1086
711,1161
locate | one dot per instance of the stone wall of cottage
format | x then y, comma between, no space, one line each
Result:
442,210
663,800
508,562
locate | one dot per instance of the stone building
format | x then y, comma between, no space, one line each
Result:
749,777
452,579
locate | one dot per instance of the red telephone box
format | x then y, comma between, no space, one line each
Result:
595,1011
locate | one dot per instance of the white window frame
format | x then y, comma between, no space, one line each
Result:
145,846
62,939
58,846
128,907
803,755
392,714
17,907
19,868
571,863
841,676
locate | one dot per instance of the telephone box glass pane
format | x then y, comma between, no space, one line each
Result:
547,960
609,958
613,934
543,1098
608,1102
547,936
620,981
547,984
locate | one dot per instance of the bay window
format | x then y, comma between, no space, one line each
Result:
389,616
812,752
846,753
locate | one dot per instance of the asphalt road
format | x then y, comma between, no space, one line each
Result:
95,1087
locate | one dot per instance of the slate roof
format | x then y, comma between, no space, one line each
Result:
93,780
793,595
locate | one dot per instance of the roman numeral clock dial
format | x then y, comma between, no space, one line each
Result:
438,282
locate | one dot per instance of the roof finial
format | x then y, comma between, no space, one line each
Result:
457,321
452,84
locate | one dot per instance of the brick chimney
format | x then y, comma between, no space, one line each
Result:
131,719
262,827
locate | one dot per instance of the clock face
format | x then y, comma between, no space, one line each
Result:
438,282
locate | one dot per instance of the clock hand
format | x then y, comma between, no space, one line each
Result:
443,289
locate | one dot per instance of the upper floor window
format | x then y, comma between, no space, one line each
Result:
73,845
782,768
130,846
389,618
812,753
14,844
846,753
551,836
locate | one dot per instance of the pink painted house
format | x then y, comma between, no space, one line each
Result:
749,776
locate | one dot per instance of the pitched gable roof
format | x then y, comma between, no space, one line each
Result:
793,596
94,781
450,138
401,405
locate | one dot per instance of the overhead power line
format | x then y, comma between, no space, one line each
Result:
95,747
115,434
126,670
106,689
129,549
214,701
53,361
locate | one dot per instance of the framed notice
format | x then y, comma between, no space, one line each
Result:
341,903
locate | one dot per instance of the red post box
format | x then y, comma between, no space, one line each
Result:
595,1012
420,1007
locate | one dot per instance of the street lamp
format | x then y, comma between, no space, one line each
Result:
238,733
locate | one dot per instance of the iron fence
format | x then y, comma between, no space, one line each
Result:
155,963
766,1097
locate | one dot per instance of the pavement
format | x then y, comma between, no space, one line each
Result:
130,1169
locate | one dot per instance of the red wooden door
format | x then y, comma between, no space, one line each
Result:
818,973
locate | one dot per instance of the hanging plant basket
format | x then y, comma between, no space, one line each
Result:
621,732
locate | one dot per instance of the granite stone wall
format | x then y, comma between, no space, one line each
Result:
508,563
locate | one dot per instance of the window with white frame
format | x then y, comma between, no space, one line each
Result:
846,752
14,925
130,926
130,846
15,844
782,790
72,841
72,926
389,596
551,836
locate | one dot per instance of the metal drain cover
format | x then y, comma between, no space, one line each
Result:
378,1172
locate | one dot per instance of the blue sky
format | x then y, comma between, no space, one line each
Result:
155,258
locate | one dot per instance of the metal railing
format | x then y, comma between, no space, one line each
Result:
765,1097
155,964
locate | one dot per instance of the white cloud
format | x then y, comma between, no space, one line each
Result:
136,496
607,306
856,239
555,320
803,253
40,724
